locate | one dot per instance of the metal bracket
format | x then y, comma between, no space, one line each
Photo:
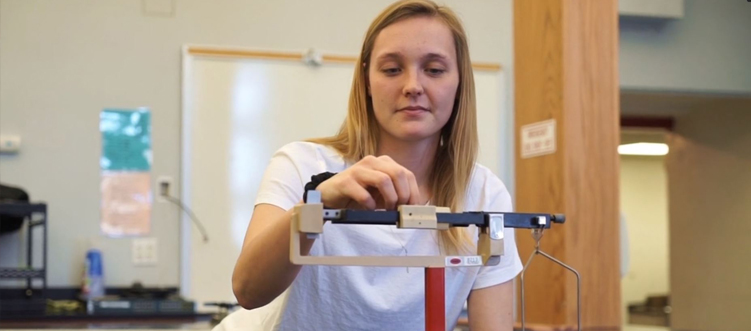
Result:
537,235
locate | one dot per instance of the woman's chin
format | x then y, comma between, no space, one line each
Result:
415,135
412,132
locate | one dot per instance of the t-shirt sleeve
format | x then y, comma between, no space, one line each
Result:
510,265
284,180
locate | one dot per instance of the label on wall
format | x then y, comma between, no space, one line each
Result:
538,139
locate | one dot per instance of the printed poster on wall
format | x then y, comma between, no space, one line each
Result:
125,163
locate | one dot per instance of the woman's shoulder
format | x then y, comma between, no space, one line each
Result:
482,175
306,152
487,191
303,148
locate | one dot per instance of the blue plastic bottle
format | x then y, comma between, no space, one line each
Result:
93,286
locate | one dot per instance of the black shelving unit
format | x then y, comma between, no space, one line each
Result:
34,214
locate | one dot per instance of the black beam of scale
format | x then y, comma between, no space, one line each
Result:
481,219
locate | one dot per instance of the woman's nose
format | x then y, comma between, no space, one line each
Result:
413,86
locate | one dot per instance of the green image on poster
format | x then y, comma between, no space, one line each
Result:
126,139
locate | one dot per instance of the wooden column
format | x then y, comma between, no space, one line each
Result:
566,69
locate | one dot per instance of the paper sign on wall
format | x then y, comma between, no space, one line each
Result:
126,140
538,139
126,203
125,172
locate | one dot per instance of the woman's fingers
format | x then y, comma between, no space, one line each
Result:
399,177
374,182
382,181
415,197
359,194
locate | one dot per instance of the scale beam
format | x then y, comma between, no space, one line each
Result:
309,218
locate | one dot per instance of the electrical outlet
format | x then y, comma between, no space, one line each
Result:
144,251
163,188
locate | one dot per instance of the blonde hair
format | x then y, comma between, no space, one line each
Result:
457,152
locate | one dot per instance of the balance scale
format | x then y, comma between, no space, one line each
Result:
309,218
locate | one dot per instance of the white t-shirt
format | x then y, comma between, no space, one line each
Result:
367,298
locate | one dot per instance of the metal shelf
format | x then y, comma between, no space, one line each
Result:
36,215
21,209
35,223
21,273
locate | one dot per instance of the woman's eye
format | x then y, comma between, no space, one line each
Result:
391,71
435,71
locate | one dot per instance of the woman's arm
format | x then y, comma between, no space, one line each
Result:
491,308
263,270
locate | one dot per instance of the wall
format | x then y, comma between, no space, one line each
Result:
62,62
644,206
651,8
710,220
706,50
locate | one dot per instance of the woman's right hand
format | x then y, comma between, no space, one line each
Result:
371,183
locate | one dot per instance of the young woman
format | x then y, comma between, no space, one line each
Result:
410,137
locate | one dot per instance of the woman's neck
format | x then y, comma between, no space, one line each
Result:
416,156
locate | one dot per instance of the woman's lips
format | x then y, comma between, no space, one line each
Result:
413,110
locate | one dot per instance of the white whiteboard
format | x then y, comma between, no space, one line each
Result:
236,113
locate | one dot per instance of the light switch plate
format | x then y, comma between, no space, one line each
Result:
145,252
10,144
163,8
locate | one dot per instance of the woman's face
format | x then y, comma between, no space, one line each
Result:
413,78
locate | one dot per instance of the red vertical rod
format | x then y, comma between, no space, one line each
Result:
435,299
